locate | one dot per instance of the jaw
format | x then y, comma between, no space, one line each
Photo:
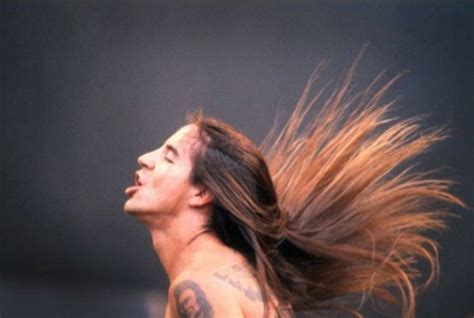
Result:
151,218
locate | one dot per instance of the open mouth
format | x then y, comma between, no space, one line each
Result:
134,188
137,179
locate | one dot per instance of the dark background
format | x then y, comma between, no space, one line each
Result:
88,86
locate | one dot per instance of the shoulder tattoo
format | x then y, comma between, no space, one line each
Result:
191,302
248,291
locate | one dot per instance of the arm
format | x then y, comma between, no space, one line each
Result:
200,298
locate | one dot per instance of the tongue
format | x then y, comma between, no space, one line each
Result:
131,190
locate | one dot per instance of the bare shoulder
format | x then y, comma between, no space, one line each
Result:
241,280
199,294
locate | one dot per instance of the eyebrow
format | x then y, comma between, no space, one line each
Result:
172,149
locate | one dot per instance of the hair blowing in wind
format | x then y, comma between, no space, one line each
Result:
325,208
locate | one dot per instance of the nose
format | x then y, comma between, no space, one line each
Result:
146,161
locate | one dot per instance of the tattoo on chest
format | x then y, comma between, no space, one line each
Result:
191,302
250,292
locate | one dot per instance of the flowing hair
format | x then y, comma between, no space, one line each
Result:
324,208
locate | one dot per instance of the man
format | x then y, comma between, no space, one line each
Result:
240,235
208,279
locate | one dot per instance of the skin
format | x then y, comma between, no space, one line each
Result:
207,278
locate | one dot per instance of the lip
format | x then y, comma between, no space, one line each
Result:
138,179
131,190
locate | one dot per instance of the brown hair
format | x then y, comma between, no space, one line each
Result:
322,213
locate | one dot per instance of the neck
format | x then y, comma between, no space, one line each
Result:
177,256
182,244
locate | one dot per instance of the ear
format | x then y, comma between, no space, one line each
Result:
200,197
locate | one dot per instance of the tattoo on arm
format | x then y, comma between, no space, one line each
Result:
191,301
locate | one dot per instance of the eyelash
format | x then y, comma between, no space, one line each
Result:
169,160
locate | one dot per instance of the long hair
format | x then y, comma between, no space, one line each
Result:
325,208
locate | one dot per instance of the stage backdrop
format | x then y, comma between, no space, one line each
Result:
88,86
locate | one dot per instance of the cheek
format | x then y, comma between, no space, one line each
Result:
169,177
160,175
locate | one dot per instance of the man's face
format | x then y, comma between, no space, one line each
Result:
162,184
187,304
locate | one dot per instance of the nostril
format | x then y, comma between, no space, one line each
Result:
145,161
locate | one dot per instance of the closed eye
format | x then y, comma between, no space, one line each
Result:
169,160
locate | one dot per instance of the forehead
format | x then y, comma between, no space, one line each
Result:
184,138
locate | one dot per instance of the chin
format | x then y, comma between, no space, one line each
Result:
131,207
128,207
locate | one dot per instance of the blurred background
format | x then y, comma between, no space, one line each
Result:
87,86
